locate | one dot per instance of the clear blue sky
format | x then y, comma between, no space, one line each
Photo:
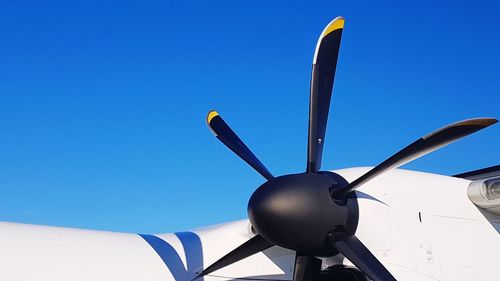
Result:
103,103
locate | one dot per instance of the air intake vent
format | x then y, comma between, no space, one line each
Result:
486,194
491,189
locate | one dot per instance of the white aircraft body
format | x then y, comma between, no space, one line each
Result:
416,236
413,225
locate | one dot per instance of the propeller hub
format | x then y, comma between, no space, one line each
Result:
297,211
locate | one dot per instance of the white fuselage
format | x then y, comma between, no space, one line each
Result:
420,226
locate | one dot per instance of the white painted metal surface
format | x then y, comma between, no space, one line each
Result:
421,227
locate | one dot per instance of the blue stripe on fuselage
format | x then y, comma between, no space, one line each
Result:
192,248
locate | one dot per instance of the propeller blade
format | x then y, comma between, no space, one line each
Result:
362,258
420,147
323,74
254,245
307,268
229,138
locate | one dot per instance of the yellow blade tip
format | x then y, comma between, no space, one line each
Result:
211,115
337,23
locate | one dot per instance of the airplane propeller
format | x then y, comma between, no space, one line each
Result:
316,213
228,137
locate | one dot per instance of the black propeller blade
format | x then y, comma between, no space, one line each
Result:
361,257
420,147
296,211
323,74
254,245
228,137
306,268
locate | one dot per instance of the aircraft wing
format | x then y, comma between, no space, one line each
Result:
481,173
